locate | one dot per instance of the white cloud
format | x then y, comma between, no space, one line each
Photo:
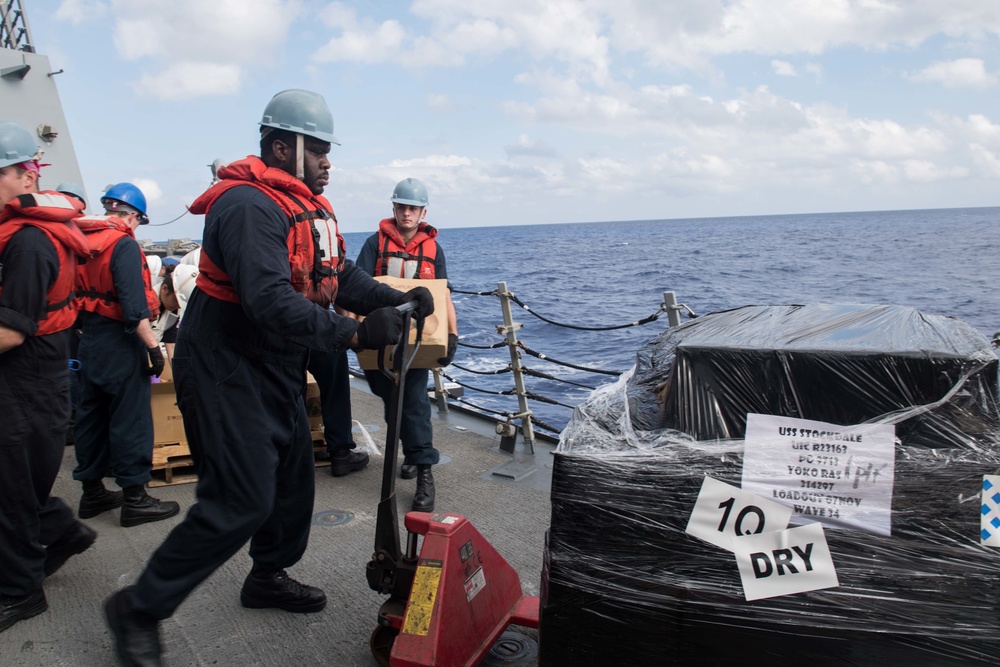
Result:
361,41
987,160
439,103
960,73
187,80
150,188
80,11
529,147
926,171
783,68
202,47
689,34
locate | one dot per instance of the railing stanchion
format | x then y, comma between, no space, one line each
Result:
510,328
673,312
440,395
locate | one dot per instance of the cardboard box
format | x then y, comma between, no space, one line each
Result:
434,342
314,405
168,425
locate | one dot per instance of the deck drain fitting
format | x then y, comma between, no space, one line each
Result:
512,647
332,518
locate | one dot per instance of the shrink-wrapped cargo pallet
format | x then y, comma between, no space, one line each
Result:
625,583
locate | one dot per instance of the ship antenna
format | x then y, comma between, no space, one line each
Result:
14,31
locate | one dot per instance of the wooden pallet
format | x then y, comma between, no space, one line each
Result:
172,464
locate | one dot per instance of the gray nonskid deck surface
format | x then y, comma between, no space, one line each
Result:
212,628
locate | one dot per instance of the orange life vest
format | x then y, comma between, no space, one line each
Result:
51,212
399,259
315,247
95,290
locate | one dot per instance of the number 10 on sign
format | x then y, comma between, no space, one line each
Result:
723,512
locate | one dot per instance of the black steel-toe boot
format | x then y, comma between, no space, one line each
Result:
97,499
423,499
267,588
139,507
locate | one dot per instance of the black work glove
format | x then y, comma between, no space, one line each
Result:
452,346
382,327
425,302
156,361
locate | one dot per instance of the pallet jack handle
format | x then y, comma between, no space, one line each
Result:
388,555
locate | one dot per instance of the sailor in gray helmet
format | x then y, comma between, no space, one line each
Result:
73,190
39,250
271,265
405,246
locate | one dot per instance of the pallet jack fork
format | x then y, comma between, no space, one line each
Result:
451,599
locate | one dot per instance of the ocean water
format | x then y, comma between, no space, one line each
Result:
943,262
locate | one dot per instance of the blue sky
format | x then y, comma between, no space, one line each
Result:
524,112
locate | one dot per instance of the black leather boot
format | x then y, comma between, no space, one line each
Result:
14,609
266,587
139,507
97,499
77,539
137,639
345,461
423,499
407,471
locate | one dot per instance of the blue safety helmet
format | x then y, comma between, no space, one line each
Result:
302,112
411,192
128,194
16,144
74,190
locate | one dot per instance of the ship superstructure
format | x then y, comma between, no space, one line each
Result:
28,95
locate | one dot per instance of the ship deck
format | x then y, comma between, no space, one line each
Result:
212,628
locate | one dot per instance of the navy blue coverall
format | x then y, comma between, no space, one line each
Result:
113,430
35,404
330,369
415,432
240,377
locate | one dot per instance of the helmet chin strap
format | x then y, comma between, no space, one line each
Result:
300,160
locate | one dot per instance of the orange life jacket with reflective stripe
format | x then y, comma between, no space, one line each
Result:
96,292
315,247
399,259
53,213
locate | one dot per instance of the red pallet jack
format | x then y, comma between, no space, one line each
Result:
451,599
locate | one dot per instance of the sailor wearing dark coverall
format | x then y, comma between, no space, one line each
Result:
240,364
118,354
330,369
36,316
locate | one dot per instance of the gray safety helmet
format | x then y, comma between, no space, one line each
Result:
411,192
302,112
73,189
16,144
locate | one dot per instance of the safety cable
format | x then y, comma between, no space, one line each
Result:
498,371
546,376
543,357
506,392
545,399
494,346
164,224
482,408
645,320
458,291
536,422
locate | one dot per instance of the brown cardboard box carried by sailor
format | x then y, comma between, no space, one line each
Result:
434,338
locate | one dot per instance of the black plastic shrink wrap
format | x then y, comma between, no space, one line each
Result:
623,584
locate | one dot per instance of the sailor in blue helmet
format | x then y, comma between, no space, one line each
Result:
118,353
271,265
39,250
